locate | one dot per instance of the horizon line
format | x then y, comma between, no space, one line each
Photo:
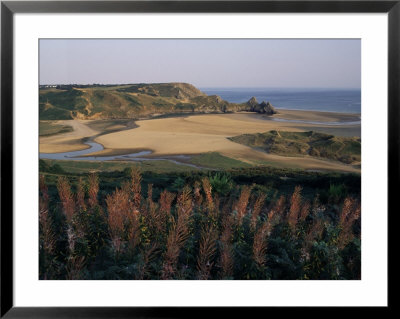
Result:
209,87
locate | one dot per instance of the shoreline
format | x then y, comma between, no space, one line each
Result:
280,112
321,116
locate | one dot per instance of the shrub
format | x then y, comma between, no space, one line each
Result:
221,183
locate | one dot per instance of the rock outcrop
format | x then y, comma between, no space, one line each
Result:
252,102
263,107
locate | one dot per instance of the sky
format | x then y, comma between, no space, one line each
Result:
205,63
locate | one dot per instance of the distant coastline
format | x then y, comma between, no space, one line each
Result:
318,99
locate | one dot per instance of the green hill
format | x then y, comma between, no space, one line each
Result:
343,149
126,101
133,101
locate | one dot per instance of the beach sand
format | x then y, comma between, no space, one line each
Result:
316,116
66,142
196,134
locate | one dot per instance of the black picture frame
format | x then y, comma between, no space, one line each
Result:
9,8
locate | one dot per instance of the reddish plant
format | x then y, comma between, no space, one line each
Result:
295,207
207,251
208,191
241,204
157,218
275,214
149,253
150,193
184,203
351,211
175,240
178,233
166,199
305,211
314,232
66,197
118,207
93,189
136,187
279,207
198,198
271,221
47,235
226,254
260,245
80,195
256,210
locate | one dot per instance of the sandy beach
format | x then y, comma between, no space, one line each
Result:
316,116
196,134
71,141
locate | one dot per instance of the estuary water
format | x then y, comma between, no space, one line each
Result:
96,147
328,100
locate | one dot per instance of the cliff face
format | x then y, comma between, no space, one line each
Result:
135,101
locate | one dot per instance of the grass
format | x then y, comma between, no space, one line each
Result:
320,145
48,128
107,126
218,161
155,166
208,160
61,105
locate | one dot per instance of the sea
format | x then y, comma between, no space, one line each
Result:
328,100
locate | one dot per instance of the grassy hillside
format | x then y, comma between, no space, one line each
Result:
343,149
48,128
128,101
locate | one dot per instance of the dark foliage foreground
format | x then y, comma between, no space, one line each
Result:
195,233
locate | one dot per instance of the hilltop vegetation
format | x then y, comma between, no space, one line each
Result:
133,101
343,149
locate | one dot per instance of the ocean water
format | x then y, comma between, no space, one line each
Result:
330,100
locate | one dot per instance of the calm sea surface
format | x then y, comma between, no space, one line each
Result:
331,100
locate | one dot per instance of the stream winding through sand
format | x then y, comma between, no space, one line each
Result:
96,147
